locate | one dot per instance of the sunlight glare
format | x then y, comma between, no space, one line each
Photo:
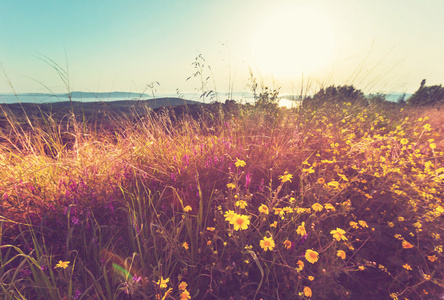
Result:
293,40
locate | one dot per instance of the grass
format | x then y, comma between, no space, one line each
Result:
336,202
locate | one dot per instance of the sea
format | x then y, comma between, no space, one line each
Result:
241,97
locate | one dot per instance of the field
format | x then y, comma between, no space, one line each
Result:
223,201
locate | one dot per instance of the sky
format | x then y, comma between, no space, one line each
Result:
379,46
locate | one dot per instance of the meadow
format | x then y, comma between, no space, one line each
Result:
338,200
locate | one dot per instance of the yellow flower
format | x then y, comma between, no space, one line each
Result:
341,254
62,264
240,222
239,163
317,207
404,141
406,245
274,224
361,268
417,224
211,229
338,234
286,177
407,267
311,278
321,180
231,186
354,224
311,256
183,286
185,245
263,209
432,258
328,206
301,229
307,292
279,211
288,209
432,146
187,208
242,204
390,224
185,295
267,243
229,216
300,265
163,282
333,184
287,244
401,219
363,224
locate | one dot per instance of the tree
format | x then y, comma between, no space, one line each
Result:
427,95
335,95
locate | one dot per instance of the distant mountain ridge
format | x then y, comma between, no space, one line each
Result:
98,95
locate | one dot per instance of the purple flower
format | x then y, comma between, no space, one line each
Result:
247,179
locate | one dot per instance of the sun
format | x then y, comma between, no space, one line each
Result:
295,39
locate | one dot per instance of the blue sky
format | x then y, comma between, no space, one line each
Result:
379,46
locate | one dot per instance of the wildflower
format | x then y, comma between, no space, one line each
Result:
229,215
341,254
361,268
274,224
187,208
406,245
321,180
240,222
186,246
426,277
407,267
263,209
300,265
242,204
432,258
286,177
231,186
267,243
287,209
404,141
311,256
401,219
163,282
338,234
354,224
317,207
432,146
287,244
307,292
390,224
417,224
328,206
211,229
185,295
239,163
363,223
62,264
438,248
183,286
208,243
333,184
301,229
279,211
311,278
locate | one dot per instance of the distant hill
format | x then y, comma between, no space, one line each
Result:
60,109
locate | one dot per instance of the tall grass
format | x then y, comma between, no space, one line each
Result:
223,201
